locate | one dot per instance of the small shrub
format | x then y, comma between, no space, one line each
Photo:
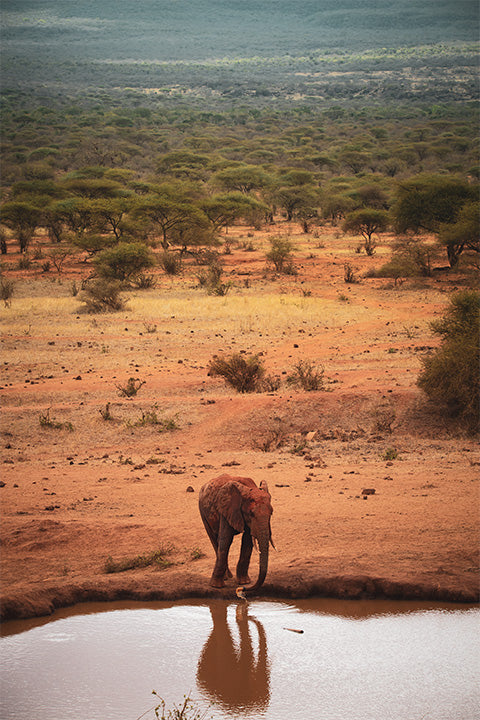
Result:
186,710
158,558
142,281
211,280
270,383
57,256
196,554
102,296
131,388
46,421
150,328
219,289
24,262
105,412
7,288
390,454
349,274
171,263
245,374
274,437
306,376
384,416
248,246
151,417
280,255
206,256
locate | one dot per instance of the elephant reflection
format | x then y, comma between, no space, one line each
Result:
228,671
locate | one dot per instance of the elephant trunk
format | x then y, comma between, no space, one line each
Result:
263,542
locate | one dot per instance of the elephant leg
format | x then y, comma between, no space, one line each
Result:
221,571
245,555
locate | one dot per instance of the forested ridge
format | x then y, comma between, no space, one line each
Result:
304,111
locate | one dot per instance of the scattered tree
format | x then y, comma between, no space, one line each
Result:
367,222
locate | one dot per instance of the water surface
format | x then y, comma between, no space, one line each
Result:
362,660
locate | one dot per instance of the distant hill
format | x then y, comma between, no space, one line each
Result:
309,51
200,29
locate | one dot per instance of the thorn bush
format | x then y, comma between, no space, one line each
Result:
245,374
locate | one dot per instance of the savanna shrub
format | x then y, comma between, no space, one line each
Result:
450,373
245,374
102,296
124,261
280,255
171,263
7,288
306,376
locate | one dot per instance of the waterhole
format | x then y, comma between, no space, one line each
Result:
262,660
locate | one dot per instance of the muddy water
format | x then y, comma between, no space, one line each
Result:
362,660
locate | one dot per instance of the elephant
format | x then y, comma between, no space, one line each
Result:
230,506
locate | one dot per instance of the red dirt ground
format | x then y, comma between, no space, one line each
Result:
71,499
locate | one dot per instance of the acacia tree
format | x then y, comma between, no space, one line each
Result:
463,234
23,218
367,222
243,178
223,210
109,214
299,201
168,215
431,203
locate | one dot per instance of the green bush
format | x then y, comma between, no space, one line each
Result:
306,376
245,374
450,373
102,296
131,388
280,255
124,261
157,558
171,263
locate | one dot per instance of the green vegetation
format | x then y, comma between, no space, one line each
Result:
101,296
244,373
450,373
306,376
131,388
390,454
47,422
151,417
157,558
124,261
280,255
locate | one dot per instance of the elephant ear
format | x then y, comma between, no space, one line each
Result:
229,504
